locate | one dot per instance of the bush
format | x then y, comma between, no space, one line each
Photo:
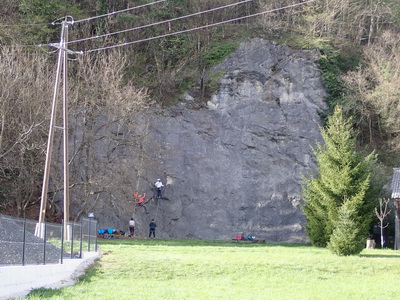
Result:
333,65
218,53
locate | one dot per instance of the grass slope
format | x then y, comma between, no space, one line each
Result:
189,269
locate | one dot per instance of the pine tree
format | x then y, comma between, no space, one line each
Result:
341,193
345,237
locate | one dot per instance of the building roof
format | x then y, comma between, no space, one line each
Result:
396,183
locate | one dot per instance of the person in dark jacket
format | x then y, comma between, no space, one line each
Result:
152,226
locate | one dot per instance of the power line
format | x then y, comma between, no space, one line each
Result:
159,23
197,28
119,11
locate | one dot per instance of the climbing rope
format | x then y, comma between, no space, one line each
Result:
139,173
158,203
140,169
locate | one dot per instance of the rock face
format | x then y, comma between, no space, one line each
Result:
234,167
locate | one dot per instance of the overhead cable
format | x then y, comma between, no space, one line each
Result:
119,11
197,28
158,23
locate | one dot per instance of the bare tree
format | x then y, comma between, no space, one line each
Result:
381,214
374,89
101,101
25,91
105,108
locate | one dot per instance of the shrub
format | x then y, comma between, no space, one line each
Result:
218,53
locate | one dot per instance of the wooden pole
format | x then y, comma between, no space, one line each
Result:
65,133
43,203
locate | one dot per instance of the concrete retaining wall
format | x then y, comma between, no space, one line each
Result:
18,281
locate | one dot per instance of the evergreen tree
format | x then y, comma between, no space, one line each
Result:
345,237
342,193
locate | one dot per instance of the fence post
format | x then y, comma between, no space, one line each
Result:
72,239
24,243
62,242
95,232
90,219
44,243
80,247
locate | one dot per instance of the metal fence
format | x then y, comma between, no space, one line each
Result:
28,242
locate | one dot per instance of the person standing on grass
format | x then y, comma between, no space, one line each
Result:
132,227
152,226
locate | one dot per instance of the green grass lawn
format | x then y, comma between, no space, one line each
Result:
190,269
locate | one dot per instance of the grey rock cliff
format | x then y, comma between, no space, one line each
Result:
234,167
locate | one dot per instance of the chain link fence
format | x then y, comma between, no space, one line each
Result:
28,242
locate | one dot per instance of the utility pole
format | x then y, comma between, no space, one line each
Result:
65,137
62,61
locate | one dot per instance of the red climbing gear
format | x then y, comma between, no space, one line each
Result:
141,199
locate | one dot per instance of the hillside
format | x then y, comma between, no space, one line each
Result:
138,111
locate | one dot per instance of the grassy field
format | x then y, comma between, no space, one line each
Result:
190,269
